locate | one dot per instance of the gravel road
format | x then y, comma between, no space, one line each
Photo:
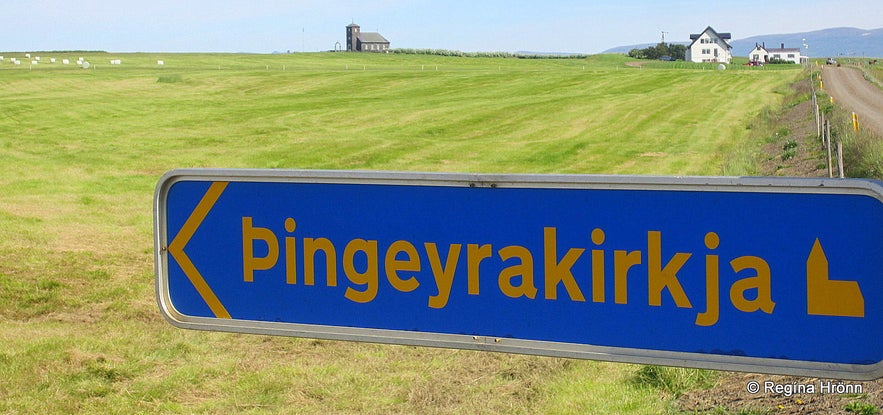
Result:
850,89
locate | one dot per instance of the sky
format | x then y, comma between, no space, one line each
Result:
265,26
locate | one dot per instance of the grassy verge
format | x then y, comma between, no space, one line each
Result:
779,140
862,150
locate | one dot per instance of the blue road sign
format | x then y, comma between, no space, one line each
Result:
753,274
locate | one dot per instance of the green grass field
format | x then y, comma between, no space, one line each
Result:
82,149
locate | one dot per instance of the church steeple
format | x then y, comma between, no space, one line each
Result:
352,37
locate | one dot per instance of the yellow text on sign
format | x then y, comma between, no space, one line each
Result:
554,279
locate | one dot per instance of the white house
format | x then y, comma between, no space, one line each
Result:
761,54
710,46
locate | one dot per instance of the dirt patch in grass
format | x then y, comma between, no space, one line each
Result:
793,148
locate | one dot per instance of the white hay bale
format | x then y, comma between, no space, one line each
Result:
160,63
65,61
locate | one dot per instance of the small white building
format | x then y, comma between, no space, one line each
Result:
710,46
761,54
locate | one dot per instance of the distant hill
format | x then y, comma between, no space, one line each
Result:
841,41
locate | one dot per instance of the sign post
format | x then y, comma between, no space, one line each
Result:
764,275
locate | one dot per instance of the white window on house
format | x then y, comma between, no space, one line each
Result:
790,56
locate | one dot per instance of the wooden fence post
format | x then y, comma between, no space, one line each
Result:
827,139
840,159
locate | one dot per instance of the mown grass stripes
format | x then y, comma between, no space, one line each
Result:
81,151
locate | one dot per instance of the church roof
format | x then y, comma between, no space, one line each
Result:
372,37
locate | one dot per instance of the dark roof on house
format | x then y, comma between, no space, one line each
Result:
725,36
782,49
372,37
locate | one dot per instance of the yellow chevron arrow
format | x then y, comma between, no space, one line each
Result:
176,248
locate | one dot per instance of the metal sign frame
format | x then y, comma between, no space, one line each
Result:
737,185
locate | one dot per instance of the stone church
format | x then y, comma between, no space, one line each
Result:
359,41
